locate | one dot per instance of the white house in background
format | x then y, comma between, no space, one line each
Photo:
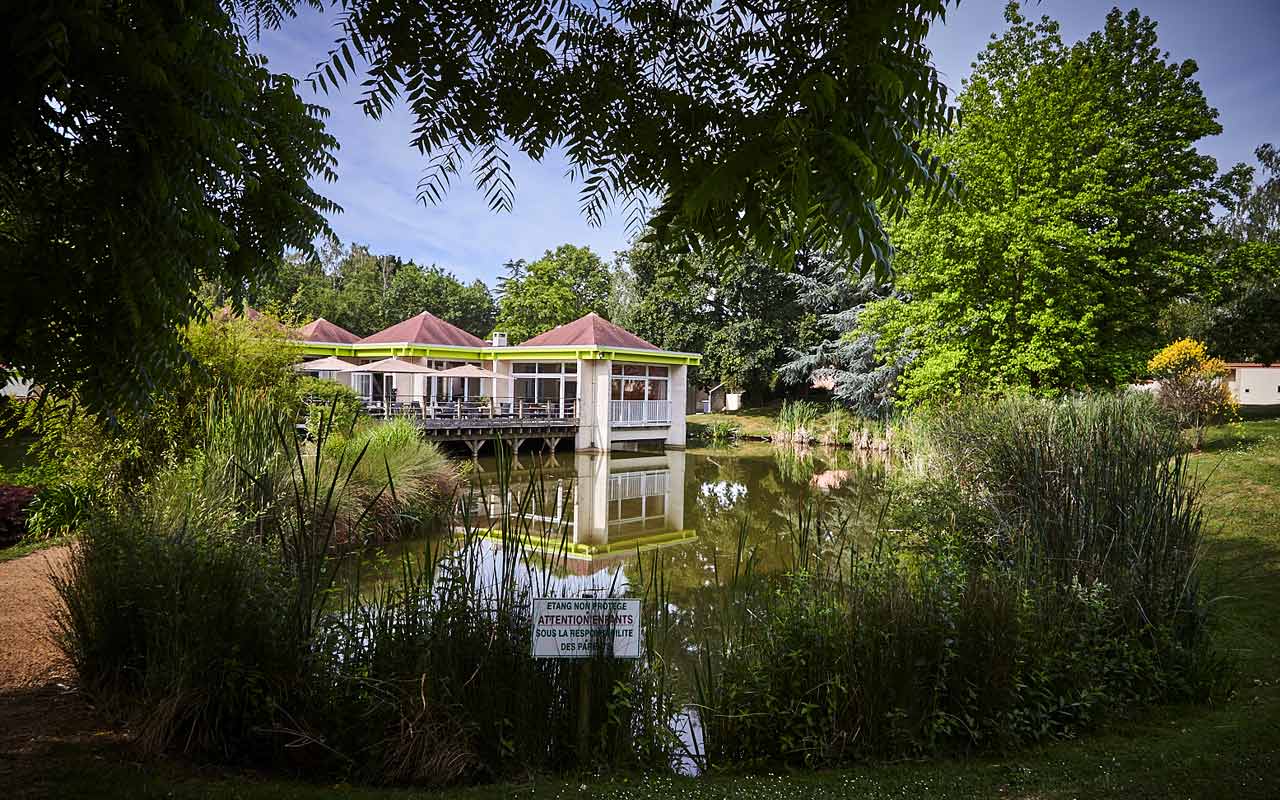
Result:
17,387
1254,384
605,386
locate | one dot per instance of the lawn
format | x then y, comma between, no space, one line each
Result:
754,423
1230,751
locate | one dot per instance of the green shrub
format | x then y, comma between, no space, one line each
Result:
720,432
797,421
1046,580
327,403
60,509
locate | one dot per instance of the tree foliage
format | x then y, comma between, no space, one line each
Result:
1087,208
566,283
75,447
364,293
143,150
734,308
754,122
845,356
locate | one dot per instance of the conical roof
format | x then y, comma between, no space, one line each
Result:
425,328
322,330
592,330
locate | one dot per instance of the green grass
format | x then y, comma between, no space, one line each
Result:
753,423
1229,751
28,546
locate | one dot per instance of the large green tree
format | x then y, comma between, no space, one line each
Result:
736,309
143,151
751,121
564,284
364,292
1237,306
1086,212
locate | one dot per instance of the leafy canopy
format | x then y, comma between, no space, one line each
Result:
143,151
566,283
364,293
734,308
1086,212
767,122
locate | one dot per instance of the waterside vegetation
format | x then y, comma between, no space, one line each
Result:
214,618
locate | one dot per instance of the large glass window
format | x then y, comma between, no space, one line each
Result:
545,381
638,382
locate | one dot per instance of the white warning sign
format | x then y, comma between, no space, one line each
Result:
578,627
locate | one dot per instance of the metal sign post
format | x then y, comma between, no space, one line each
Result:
583,628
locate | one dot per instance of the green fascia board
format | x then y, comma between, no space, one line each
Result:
516,353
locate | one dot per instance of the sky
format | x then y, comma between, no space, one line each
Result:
1234,42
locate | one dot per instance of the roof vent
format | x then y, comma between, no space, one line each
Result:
499,339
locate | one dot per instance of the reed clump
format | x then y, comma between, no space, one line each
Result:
219,616
1045,579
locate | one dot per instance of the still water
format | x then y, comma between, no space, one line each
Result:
606,515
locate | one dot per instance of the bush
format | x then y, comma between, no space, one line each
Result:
327,403
15,502
60,509
1193,387
1048,579
209,638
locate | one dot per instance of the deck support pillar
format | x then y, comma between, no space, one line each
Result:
475,445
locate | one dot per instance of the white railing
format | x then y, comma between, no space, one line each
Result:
631,485
640,412
429,408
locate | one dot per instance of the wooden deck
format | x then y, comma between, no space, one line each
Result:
475,431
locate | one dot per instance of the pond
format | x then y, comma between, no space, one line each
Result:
605,514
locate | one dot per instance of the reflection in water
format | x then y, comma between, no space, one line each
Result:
689,507
604,509
593,506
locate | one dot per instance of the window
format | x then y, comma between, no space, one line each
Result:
545,381
364,384
657,372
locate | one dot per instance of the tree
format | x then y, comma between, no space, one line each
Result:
1242,293
364,292
1193,386
1086,213
143,151
1253,212
736,309
844,354
563,285
753,122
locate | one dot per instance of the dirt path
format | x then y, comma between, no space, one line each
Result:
28,656
40,709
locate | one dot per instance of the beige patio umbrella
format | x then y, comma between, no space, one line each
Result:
327,364
392,365
472,371
396,366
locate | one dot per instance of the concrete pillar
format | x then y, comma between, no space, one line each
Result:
679,390
591,498
593,418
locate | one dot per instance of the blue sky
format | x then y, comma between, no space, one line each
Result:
1233,41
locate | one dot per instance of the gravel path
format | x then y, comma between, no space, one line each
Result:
28,656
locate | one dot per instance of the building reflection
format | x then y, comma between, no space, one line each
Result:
593,507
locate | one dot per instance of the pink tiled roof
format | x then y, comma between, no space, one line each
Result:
225,313
322,330
592,330
426,328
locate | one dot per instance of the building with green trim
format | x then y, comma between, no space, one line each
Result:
603,384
